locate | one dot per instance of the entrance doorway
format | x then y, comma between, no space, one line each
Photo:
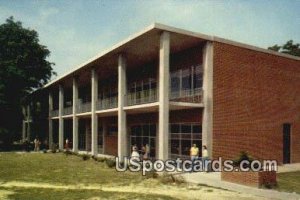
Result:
286,143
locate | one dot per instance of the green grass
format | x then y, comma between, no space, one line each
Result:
38,194
60,168
289,182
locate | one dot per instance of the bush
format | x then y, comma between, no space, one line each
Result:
110,163
171,178
242,157
85,157
68,152
54,148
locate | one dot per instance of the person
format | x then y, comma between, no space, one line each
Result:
36,144
147,152
134,154
194,152
205,158
67,144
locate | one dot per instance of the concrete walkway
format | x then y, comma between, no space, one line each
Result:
214,179
289,168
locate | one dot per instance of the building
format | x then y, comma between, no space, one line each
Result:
170,88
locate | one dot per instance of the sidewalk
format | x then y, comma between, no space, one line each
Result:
214,179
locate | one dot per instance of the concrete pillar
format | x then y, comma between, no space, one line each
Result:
164,74
50,120
94,118
75,118
207,119
60,119
122,129
28,122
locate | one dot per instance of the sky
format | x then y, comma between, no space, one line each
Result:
76,30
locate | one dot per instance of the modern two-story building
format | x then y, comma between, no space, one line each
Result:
170,88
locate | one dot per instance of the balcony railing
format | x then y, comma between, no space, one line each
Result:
107,103
54,113
68,110
193,96
142,97
84,107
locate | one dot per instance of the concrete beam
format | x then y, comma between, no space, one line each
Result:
164,74
122,130
207,119
94,118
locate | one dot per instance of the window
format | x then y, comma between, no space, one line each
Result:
182,137
112,130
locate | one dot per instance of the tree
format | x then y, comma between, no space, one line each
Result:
23,68
289,48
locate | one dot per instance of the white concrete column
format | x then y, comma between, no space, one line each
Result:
94,118
164,74
60,119
207,119
50,120
28,122
122,129
75,118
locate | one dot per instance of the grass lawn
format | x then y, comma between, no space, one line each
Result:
36,176
289,182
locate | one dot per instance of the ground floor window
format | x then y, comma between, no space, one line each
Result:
182,137
143,134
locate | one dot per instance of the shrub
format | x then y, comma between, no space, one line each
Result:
171,178
242,157
54,148
110,163
68,152
85,157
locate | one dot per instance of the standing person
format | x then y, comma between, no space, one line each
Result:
67,144
135,155
194,153
38,145
205,158
36,141
147,152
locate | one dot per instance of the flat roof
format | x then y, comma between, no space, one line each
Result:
157,27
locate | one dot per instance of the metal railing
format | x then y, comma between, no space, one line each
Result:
84,107
68,110
107,103
189,95
142,97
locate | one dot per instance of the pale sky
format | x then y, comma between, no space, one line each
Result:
76,30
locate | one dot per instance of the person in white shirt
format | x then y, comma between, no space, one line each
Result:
135,155
205,158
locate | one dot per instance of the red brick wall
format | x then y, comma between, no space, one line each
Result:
255,179
254,93
111,145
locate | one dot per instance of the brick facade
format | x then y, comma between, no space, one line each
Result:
254,179
254,93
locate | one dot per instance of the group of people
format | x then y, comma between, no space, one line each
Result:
143,154
194,153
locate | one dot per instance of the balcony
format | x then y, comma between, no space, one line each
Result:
84,107
107,103
141,97
68,110
188,95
